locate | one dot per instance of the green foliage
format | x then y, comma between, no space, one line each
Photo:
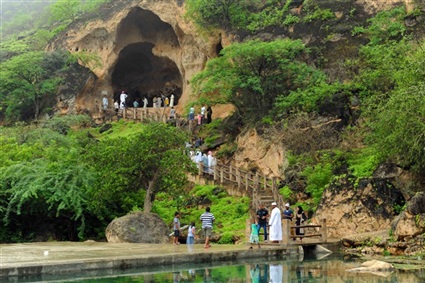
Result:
399,128
387,25
86,59
43,179
363,162
142,164
273,13
399,208
307,99
218,13
29,82
65,10
251,75
286,192
318,177
227,150
319,14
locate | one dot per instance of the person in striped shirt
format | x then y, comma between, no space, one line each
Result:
207,219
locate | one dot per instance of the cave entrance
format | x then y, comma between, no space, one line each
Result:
138,71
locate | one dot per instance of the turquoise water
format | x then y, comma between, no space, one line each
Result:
331,269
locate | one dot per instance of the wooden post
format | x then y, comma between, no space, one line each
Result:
238,178
230,173
265,182
124,112
134,113
221,174
247,181
286,232
248,229
201,168
324,230
215,173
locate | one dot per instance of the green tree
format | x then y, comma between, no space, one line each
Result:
42,180
399,128
65,10
251,75
219,13
28,80
139,165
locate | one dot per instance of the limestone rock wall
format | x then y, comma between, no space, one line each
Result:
366,208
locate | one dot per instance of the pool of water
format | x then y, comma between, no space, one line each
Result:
330,269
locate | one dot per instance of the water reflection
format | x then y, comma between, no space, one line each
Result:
295,270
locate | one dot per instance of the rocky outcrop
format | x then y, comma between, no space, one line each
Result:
368,207
137,227
411,222
373,266
257,152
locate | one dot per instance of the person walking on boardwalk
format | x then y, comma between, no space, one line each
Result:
300,218
207,219
209,114
123,97
262,215
105,102
176,224
275,223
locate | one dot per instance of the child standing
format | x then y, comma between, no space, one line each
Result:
176,222
254,235
191,234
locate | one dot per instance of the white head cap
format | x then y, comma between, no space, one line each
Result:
287,204
274,203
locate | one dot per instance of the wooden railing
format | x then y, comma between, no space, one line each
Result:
254,184
288,232
287,228
150,114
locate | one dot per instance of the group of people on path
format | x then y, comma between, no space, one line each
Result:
274,222
207,161
157,102
204,116
207,219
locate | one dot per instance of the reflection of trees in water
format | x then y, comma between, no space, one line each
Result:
334,270
291,271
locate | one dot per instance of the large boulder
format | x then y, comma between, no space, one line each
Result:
137,227
410,222
417,204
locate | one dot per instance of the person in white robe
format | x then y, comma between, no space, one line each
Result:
145,102
172,100
275,223
123,97
276,273
211,162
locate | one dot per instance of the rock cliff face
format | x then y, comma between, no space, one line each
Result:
358,209
145,48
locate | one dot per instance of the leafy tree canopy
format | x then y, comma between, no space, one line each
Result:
251,75
140,165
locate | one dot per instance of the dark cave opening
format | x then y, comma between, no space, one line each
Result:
141,74
138,71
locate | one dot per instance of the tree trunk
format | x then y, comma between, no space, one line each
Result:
147,206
